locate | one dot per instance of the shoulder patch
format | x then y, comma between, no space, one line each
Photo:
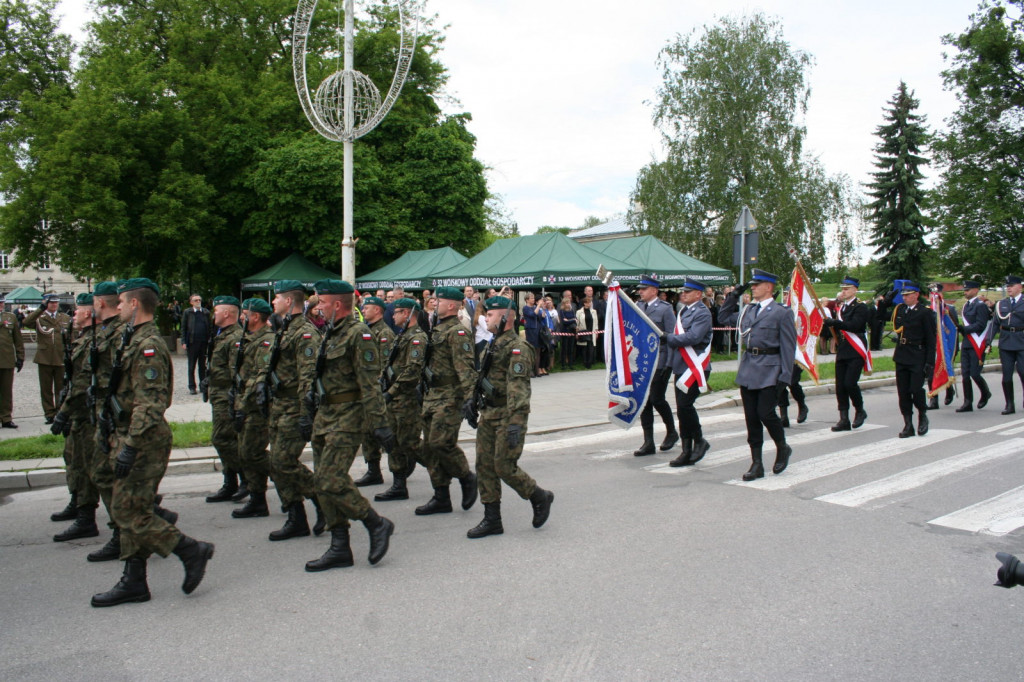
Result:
518,368
308,352
516,351
307,335
461,332
415,342
150,374
367,336
149,352
369,356
266,344
383,339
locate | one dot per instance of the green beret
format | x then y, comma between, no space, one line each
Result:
83,299
285,285
498,303
333,286
257,305
449,293
410,303
138,283
105,289
226,300
374,300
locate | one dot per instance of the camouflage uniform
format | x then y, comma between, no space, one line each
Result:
352,402
295,368
108,335
81,441
12,355
219,374
144,394
404,411
509,373
383,337
255,436
454,376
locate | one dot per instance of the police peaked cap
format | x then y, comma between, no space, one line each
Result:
1013,279
851,282
649,281
908,285
50,297
763,276
693,285
971,284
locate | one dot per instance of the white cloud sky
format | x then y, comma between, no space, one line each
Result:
557,89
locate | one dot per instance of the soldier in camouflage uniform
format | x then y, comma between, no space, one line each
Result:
294,373
373,316
402,398
12,358
349,398
74,421
503,417
142,443
254,433
217,385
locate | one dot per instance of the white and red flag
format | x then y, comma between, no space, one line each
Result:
809,317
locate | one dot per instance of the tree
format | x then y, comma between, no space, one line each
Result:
899,224
545,229
184,152
728,110
980,227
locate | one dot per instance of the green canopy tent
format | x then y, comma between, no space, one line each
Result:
292,267
653,256
549,260
24,295
410,269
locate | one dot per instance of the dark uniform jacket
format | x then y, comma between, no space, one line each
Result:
695,321
976,315
771,329
50,343
855,317
915,333
1010,323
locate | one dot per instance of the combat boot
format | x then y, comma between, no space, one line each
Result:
801,413
933,402
131,587
83,527
908,426
1007,393
397,491
338,555
227,490
440,503
648,445
950,392
782,455
194,555
700,448
756,469
372,475
165,514
321,520
844,421
469,490
684,458
491,524
69,512
671,438
922,423
380,530
859,415
295,526
541,500
243,489
986,394
108,552
784,416
255,506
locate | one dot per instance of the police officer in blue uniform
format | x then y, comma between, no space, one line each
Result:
976,315
1010,328
914,324
694,331
769,346
662,315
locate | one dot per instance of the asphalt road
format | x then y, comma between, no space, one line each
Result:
850,565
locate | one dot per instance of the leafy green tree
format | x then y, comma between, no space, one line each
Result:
899,224
729,111
545,229
980,226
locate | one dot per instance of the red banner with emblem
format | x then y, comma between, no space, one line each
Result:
809,317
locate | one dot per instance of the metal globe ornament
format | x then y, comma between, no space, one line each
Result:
329,100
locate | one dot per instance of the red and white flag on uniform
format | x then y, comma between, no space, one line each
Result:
809,317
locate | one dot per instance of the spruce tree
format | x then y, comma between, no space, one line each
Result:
899,224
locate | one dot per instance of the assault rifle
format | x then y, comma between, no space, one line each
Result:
484,389
69,366
112,409
272,383
387,377
94,358
427,378
236,371
204,385
316,395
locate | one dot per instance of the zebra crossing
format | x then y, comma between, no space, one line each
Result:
825,458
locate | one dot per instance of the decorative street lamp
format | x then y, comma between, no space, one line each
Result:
347,105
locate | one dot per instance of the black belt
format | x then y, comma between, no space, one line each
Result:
904,342
763,351
1011,329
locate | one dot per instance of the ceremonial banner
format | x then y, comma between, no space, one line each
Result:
809,318
631,346
945,346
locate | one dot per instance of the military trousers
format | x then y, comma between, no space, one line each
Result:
371,448
442,455
293,480
51,383
77,446
497,462
340,499
142,531
224,437
254,460
406,421
101,474
6,394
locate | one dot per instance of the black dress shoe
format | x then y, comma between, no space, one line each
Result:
966,407
646,449
700,448
670,441
782,459
801,414
922,425
756,471
858,418
9,425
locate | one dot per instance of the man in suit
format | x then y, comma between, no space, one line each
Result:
662,315
914,324
1009,322
769,338
196,325
975,316
686,343
848,324
50,326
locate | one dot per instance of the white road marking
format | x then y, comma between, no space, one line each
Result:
997,515
1000,427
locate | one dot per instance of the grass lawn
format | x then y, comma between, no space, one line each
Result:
186,435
